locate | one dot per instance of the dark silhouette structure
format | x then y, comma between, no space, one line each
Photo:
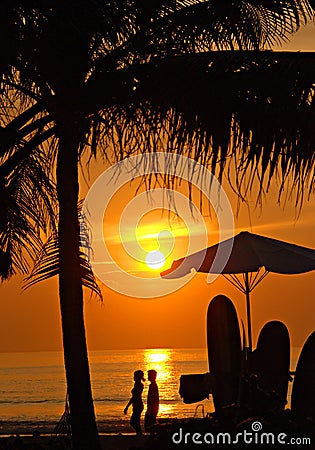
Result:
153,401
136,401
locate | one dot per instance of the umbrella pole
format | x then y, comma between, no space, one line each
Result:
249,325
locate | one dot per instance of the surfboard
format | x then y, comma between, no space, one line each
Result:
303,390
271,363
224,351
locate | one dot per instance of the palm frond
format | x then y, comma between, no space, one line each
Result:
27,192
28,209
254,107
47,264
228,25
125,32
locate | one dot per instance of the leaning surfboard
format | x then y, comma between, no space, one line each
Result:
224,351
303,390
271,363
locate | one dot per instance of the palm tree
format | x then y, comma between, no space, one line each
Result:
126,76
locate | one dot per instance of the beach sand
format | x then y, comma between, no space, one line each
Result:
108,442
120,442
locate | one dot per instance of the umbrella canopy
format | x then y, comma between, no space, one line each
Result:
250,253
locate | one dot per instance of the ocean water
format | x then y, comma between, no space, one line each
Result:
33,388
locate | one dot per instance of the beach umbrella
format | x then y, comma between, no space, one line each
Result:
252,257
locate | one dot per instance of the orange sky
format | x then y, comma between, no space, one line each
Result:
29,321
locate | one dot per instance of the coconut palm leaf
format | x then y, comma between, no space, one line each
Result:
128,31
47,264
27,205
253,110
27,192
220,25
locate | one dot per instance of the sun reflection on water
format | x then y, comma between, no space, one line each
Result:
161,360
157,356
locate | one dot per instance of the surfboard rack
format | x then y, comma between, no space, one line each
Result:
244,382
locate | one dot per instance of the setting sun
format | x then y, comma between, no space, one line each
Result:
155,259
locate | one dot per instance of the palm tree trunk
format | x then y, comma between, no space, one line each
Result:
84,430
